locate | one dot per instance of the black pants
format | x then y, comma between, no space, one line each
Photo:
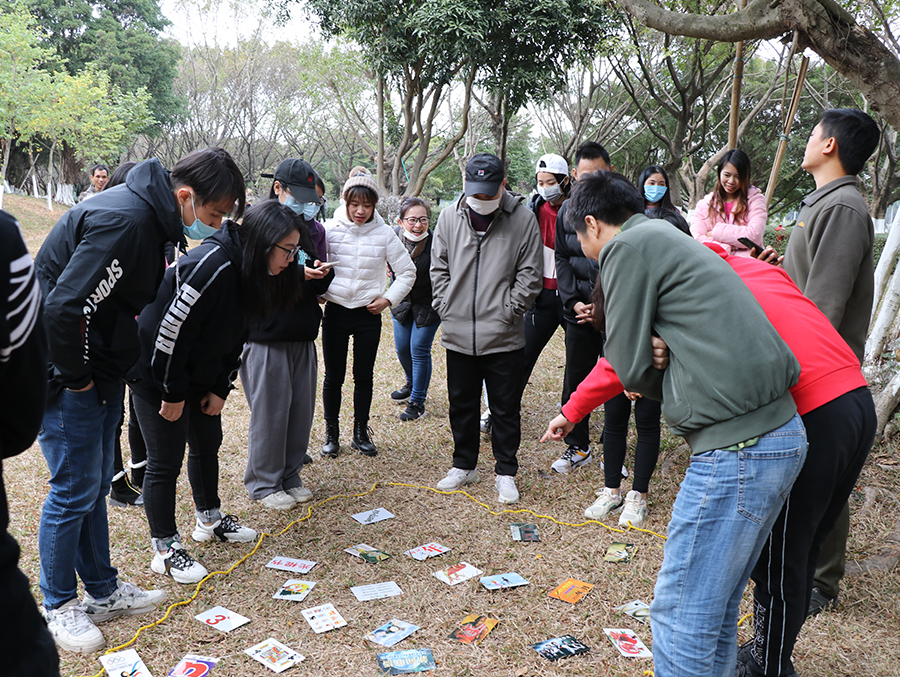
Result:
165,456
541,322
617,412
338,325
135,442
840,435
584,346
502,376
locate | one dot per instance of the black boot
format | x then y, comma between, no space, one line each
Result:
121,493
332,446
137,473
361,441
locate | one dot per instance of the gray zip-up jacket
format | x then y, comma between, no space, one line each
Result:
482,284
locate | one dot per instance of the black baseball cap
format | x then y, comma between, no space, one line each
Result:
484,174
299,178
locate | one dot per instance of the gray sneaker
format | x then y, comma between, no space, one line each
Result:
128,600
72,629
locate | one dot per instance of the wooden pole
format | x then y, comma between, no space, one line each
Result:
379,167
788,123
736,89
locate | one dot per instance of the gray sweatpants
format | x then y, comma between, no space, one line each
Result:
280,382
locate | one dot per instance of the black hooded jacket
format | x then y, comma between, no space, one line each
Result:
192,334
575,272
98,268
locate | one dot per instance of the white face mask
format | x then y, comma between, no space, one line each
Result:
550,193
483,207
413,237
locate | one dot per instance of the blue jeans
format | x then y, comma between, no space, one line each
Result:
413,345
78,440
722,516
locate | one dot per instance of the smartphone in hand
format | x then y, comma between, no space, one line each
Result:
750,244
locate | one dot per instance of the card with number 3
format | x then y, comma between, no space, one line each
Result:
222,619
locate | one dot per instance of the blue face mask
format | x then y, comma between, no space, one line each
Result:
654,193
305,209
197,230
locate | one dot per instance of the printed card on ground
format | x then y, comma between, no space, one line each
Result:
457,573
571,590
300,566
423,552
364,593
637,610
405,662
524,532
473,629
274,655
193,665
294,590
323,618
498,581
222,619
619,552
124,663
627,643
391,632
367,553
372,516
560,647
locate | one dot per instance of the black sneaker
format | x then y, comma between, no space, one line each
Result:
414,411
402,395
307,459
819,602
122,493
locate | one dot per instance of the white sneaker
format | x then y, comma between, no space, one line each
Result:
178,564
278,500
485,423
226,529
72,629
572,459
300,494
506,488
457,478
635,510
128,600
605,502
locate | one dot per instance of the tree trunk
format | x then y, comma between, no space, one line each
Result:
50,178
379,167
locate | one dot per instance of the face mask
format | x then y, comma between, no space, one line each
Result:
197,230
412,237
550,193
310,209
483,207
654,193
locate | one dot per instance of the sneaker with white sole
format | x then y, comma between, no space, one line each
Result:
178,564
506,489
572,459
128,600
226,529
278,500
300,494
485,424
606,501
456,478
72,629
635,510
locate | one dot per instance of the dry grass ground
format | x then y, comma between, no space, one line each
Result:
858,639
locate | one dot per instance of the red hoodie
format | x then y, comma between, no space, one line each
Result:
828,368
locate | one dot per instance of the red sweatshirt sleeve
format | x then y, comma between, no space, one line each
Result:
600,385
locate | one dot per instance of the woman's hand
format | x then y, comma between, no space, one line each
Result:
660,353
378,305
559,427
632,396
81,390
212,404
584,312
171,411
314,273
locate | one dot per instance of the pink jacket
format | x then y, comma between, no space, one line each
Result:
726,233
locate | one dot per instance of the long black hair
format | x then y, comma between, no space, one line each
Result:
264,226
664,208
119,175
741,162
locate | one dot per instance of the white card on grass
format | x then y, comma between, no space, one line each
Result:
124,663
637,609
193,665
391,632
323,618
372,516
294,590
274,655
222,619
457,573
376,591
423,552
500,581
301,566
627,643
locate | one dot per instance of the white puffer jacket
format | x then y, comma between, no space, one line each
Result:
362,254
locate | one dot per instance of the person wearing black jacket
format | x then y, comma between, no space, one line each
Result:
25,643
415,321
99,266
575,274
191,338
279,365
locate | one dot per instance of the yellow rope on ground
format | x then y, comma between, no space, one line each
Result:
309,511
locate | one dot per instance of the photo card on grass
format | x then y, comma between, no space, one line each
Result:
391,632
500,581
367,553
222,619
627,642
637,609
619,552
323,618
405,662
294,590
571,590
372,516
560,647
300,566
457,573
274,655
473,628
125,662
423,552
524,532
193,665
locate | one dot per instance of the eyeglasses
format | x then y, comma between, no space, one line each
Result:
412,220
291,253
